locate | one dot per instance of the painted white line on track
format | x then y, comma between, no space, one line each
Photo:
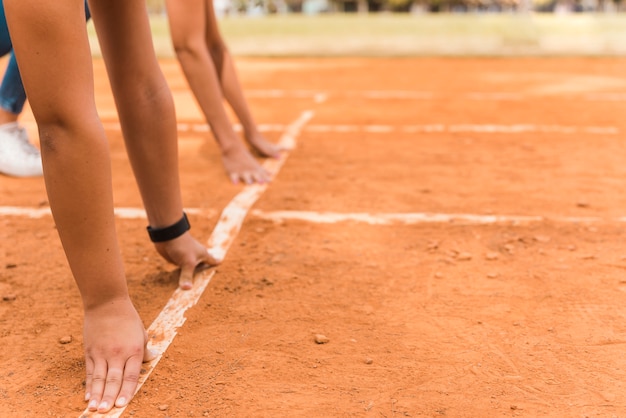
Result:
400,94
518,128
418,218
121,212
467,128
163,330
606,97
24,212
320,97
428,95
238,209
381,129
284,94
494,96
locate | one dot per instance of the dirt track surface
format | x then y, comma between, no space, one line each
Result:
497,290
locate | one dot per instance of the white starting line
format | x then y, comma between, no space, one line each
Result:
519,128
234,213
467,128
320,96
122,213
420,218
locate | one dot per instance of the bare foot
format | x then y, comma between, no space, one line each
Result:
241,165
262,146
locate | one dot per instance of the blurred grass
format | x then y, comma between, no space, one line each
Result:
414,35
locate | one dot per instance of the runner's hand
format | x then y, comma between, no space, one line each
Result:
186,253
115,346
240,165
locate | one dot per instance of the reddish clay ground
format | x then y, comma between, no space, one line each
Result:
432,319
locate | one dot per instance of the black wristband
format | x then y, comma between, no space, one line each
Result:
169,232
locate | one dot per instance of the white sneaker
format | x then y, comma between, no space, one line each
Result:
18,157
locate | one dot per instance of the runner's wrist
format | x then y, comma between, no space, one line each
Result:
169,232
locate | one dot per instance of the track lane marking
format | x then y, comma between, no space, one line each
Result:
120,212
518,128
417,95
419,218
220,240
486,128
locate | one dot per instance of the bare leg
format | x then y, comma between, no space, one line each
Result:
188,27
